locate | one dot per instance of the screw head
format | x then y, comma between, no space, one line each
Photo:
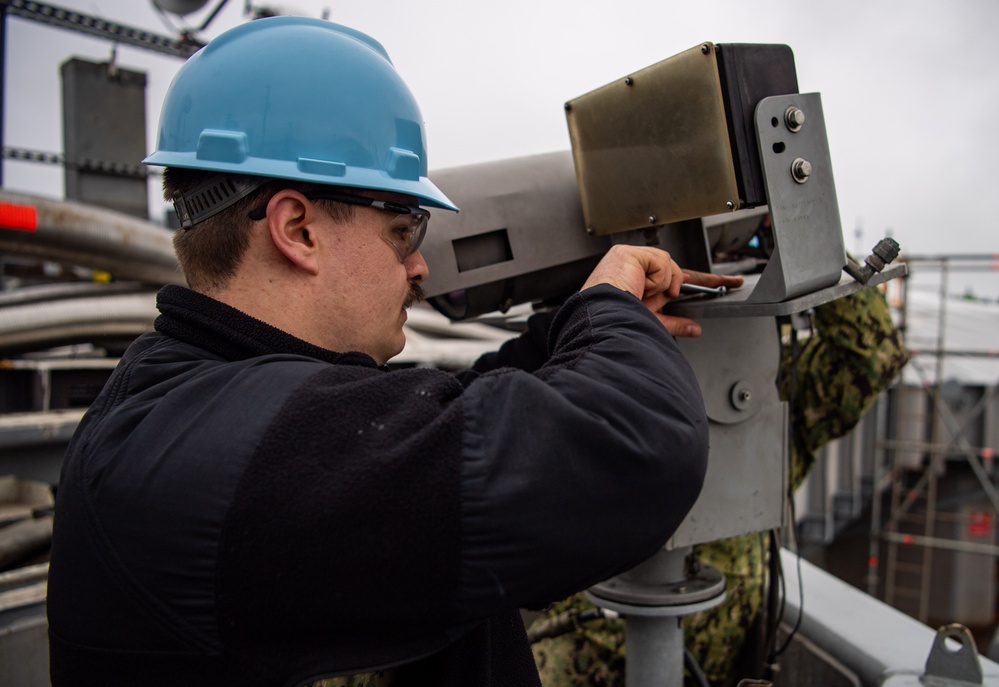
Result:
730,204
628,81
652,219
801,169
705,49
794,118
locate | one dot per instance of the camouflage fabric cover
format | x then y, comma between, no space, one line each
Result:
853,354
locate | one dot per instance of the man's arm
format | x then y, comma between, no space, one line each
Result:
612,423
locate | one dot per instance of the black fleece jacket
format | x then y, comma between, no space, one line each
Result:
240,507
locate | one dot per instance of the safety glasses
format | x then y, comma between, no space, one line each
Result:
404,234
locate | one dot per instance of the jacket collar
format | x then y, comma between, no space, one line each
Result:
210,324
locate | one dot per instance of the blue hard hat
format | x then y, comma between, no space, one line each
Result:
297,98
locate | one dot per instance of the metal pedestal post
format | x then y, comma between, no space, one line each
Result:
652,597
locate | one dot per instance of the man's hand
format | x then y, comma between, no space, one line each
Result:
651,275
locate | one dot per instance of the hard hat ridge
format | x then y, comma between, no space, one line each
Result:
302,99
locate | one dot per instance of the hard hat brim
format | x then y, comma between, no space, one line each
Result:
353,177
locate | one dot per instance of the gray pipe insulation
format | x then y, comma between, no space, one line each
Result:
77,234
43,325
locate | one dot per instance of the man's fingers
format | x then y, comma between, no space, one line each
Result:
654,277
680,326
640,270
667,279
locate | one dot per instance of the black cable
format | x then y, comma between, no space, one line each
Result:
795,354
214,13
775,602
801,595
776,609
694,668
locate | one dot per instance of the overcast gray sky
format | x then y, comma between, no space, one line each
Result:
910,88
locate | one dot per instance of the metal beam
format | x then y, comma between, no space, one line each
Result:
100,28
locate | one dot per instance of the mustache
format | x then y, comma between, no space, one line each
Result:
416,294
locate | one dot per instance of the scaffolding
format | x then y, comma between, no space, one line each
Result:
935,534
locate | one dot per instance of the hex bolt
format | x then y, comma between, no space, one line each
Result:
794,118
801,169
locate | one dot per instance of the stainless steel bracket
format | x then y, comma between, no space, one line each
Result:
797,171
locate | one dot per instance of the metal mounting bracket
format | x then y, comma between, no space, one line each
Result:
955,664
797,171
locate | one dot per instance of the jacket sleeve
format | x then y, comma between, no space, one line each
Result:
584,468
527,352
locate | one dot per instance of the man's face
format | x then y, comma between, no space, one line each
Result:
369,287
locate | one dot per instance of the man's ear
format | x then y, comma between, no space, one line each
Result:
290,220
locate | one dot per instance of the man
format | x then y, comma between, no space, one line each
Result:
255,500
